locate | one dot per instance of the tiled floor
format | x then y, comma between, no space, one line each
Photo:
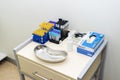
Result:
8,71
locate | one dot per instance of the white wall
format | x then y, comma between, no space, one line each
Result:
18,19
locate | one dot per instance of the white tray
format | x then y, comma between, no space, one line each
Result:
47,54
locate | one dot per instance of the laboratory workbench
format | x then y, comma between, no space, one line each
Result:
76,66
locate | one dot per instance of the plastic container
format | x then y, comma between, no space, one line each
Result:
69,44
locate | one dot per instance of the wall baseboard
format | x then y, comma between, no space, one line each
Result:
13,61
2,56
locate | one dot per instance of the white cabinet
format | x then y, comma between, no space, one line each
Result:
76,67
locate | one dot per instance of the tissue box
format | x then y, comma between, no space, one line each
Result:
90,43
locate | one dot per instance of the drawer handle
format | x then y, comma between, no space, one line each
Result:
36,74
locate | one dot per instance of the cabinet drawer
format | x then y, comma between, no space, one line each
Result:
39,72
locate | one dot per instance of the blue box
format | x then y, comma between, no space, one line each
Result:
89,48
41,39
85,52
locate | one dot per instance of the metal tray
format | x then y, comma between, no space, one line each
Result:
47,54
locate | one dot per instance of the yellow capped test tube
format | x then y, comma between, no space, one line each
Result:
46,26
39,32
